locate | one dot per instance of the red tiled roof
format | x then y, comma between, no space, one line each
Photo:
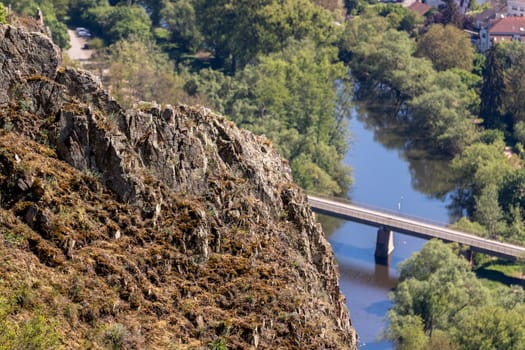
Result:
514,25
419,8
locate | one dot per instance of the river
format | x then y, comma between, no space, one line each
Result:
382,178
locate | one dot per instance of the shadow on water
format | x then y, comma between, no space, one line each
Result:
379,277
379,308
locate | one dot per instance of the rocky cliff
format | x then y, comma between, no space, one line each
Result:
154,228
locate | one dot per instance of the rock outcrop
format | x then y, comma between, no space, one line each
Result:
167,224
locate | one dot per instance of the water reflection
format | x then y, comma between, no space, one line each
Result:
430,174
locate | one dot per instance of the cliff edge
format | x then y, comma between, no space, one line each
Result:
154,228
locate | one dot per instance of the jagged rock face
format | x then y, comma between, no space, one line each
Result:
168,220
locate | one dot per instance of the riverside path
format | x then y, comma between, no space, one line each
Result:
389,222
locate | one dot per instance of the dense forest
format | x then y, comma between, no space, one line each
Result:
280,68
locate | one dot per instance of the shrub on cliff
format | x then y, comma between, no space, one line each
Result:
3,14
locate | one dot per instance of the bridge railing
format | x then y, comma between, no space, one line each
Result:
382,210
418,225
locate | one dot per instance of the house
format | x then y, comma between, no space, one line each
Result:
515,7
419,8
462,4
501,30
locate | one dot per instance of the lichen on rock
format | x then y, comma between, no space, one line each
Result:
167,223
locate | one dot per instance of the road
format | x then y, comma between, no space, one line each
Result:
76,51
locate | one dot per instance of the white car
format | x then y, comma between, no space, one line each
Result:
83,32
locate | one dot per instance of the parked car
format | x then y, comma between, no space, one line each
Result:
83,32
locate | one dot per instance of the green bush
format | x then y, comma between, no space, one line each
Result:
37,333
115,336
3,14
96,44
218,344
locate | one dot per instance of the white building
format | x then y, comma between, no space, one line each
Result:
516,7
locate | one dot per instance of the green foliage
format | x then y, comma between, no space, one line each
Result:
440,304
406,332
502,92
180,20
239,31
466,225
355,7
486,327
36,332
519,131
96,43
78,10
514,78
139,72
3,14
218,344
114,23
115,337
54,14
447,47
512,198
442,112
480,165
487,211
399,17
441,105
492,89
59,33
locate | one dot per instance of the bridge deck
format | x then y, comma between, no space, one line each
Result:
414,227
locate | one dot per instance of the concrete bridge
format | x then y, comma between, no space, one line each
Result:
387,222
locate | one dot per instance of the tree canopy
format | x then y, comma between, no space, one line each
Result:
439,303
239,31
447,47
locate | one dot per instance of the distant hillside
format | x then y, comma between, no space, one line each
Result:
153,228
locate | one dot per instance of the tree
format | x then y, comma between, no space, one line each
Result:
239,31
486,327
447,47
502,92
512,196
154,8
78,10
435,284
514,78
400,18
487,210
181,20
297,88
479,166
114,23
441,113
451,14
139,72
406,331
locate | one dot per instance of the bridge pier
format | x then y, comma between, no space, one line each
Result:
384,244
